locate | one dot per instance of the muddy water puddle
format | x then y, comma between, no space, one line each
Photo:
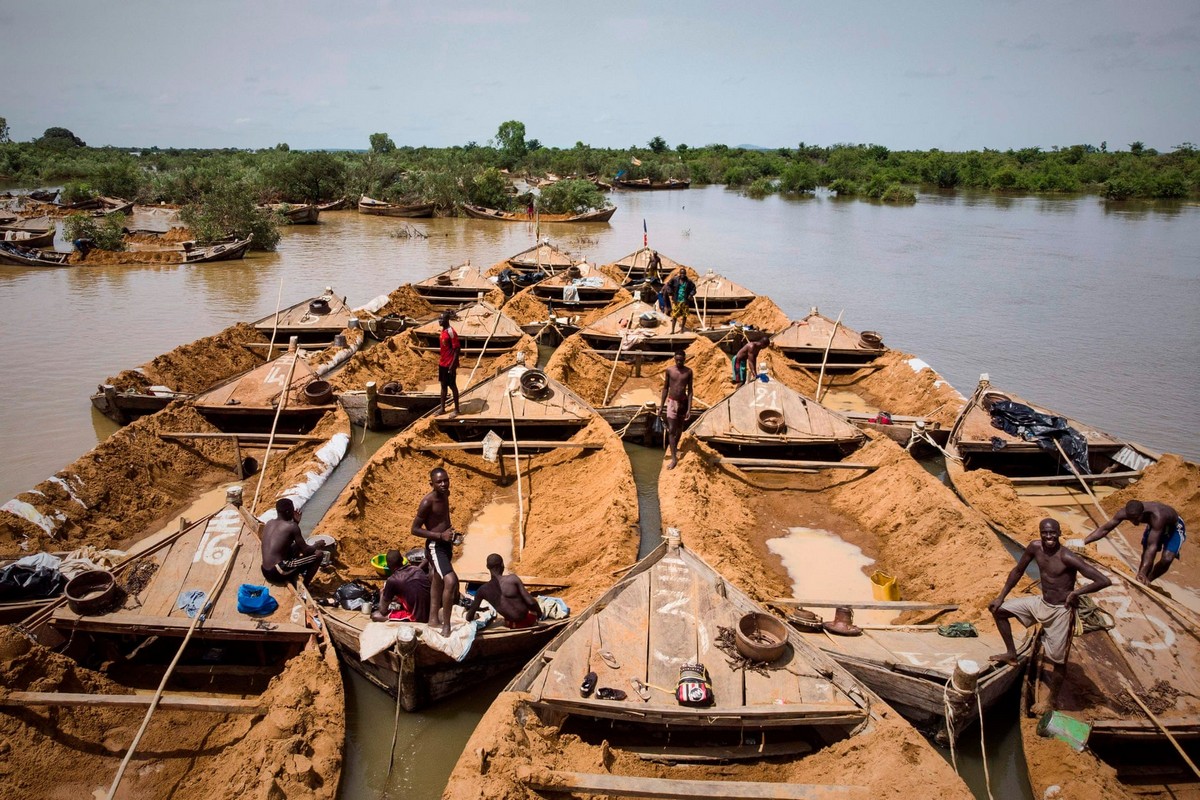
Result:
824,567
846,400
637,396
490,531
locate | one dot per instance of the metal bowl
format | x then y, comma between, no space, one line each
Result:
761,637
91,592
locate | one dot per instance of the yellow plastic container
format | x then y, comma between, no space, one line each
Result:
379,562
884,587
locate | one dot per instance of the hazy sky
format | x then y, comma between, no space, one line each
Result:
951,74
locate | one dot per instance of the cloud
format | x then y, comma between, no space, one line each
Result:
242,121
931,72
1033,41
1112,40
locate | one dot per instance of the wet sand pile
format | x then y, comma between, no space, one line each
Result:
891,759
587,372
195,366
902,386
405,302
397,359
295,465
99,257
939,550
1078,776
294,750
524,308
115,493
171,236
581,505
761,313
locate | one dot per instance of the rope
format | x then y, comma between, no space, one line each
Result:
921,435
987,778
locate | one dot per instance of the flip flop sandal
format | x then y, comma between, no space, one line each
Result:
608,658
641,689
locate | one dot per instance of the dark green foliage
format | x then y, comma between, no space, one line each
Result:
107,232
570,197
76,192
761,187
228,209
303,177
382,143
60,138
510,140
658,145
489,188
3,130
798,178
119,178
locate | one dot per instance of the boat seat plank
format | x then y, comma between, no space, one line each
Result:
126,622
219,705
677,754
673,626
631,786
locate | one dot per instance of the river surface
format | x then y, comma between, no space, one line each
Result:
1083,306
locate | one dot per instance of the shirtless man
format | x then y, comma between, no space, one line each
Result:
1165,531
285,553
676,402
406,585
1055,609
745,363
507,595
432,524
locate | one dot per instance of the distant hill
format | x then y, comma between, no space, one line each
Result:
752,147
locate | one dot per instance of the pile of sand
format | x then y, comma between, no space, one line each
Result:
524,308
1172,481
587,372
581,506
293,465
405,302
763,314
1077,776
172,236
195,366
115,258
914,527
891,759
354,340
398,359
119,490
897,387
295,750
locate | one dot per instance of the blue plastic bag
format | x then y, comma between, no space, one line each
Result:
255,600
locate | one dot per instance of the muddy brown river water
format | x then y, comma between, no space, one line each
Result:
1083,306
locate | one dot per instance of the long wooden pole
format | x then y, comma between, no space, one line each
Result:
616,360
218,584
482,352
1158,723
825,358
275,328
512,419
399,692
262,473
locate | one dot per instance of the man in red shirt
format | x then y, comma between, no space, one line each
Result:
449,346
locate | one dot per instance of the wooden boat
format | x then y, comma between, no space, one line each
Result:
574,524
543,410
718,296
454,287
645,184
626,391
114,205
779,729
801,529
895,386
30,238
808,342
636,327
334,205
588,285
543,257
314,322
481,327
1145,662
480,212
19,256
379,208
225,251
251,402
40,224
239,681
390,386
635,265
296,213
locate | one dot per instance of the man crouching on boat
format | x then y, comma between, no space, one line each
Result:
1055,609
508,595
285,553
432,524
1165,533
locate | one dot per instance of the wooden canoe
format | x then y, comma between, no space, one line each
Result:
635,265
781,531
30,238
367,205
316,320
454,287
17,255
480,327
780,730
503,402
574,524
647,185
240,681
296,213
230,251
542,257
250,402
333,205
808,342
591,286
717,296
480,212
636,325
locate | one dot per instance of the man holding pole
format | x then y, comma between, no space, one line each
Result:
1054,609
1164,532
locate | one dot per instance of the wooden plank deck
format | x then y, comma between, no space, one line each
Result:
807,422
812,333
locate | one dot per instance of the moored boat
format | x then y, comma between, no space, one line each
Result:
454,287
17,255
636,327
579,286
542,257
593,215
30,238
817,341
368,205
296,213
225,251
646,185
481,328
635,266
315,321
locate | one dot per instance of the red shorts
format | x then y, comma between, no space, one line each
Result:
529,621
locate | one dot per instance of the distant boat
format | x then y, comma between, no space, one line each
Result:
29,238
479,212
296,213
368,205
645,184
228,251
16,255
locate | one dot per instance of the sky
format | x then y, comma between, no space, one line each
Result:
947,74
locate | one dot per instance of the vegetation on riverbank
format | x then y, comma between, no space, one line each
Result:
479,174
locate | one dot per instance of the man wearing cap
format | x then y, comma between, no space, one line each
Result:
285,553
1054,609
1165,533
449,348
407,586
508,595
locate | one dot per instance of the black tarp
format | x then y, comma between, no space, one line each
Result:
22,582
1018,419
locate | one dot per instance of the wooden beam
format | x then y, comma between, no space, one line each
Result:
218,705
244,437
786,462
1136,473
632,786
877,605
530,443
306,346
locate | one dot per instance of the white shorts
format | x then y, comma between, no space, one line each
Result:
1056,623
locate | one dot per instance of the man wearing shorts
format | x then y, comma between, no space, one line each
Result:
676,402
285,553
1165,533
432,524
449,347
1055,609
679,292
508,595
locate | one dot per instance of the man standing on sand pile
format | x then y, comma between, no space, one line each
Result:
508,595
432,524
679,292
745,363
1165,531
449,348
676,402
1055,608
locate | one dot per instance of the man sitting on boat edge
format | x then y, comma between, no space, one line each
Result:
1165,531
285,553
407,586
1055,608
508,595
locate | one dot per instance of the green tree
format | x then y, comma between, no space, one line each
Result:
3,131
229,210
798,178
382,143
1137,148
107,232
510,138
489,188
570,197
60,138
657,145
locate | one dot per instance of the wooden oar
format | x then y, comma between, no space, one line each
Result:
482,352
283,396
1158,723
825,358
512,419
275,328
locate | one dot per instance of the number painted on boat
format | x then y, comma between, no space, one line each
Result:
222,528
764,394
277,374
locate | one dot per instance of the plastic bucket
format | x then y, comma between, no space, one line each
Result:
883,586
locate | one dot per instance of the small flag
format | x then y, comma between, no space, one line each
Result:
635,161
645,234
